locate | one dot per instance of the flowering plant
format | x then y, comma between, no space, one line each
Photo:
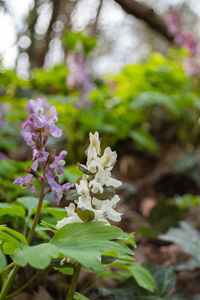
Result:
84,237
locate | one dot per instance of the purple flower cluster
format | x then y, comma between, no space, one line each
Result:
183,39
79,76
36,127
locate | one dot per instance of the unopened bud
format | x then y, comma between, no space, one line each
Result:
45,139
29,170
51,157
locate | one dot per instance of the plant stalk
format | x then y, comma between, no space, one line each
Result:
11,276
7,268
72,289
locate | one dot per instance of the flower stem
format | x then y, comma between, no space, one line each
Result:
37,214
72,289
11,276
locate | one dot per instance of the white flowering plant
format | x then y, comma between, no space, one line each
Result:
81,236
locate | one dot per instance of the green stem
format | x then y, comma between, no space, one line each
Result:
7,268
72,289
11,276
8,282
37,214
23,286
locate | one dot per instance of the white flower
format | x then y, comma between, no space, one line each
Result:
103,177
107,211
92,159
72,217
95,142
89,185
112,182
84,201
82,187
109,158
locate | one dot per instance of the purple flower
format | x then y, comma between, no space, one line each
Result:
79,76
42,120
3,156
188,42
173,21
58,163
57,188
26,181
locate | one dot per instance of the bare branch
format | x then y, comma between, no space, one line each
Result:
146,14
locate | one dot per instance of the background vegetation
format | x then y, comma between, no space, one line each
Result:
149,113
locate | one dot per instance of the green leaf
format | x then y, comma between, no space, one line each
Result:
72,173
187,201
177,297
11,210
79,296
78,239
57,212
66,271
37,256
142,276
164,277
108,193
85,215
187,237
31,203
190,264
2,260
119,294
144,140
11,239
151,98
20,237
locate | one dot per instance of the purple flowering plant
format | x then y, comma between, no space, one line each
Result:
35,132
83,236
185,40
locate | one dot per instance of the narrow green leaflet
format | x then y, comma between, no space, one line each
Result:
37,256
142,276
163,282
95,238
2,260
79,296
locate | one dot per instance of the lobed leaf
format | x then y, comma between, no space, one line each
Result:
37,256
85,242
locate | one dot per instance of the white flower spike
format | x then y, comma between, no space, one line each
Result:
90,186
